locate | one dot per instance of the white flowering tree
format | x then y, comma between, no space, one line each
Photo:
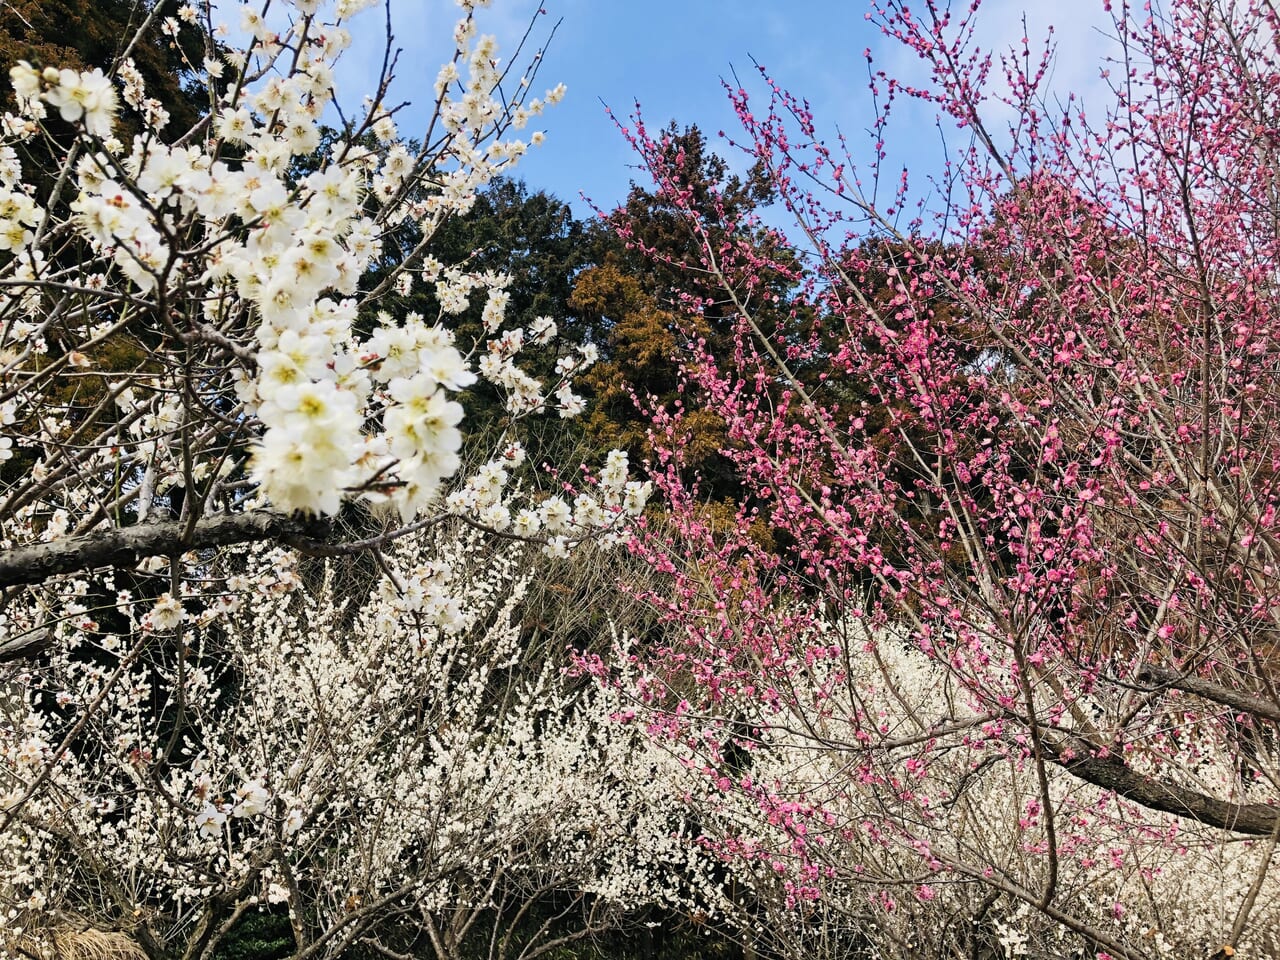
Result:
394,773
193,353
207,370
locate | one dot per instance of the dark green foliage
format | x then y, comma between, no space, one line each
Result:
666,255
258,936
535,239
532,236
652,303
81,34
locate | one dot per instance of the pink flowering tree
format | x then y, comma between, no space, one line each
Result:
1005,677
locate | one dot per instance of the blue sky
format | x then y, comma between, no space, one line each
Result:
671,55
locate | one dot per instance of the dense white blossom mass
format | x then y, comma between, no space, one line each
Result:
214,325
264,266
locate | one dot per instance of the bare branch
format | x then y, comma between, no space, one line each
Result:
1255,819
128,545
1235,699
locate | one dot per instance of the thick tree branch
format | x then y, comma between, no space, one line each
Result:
1256,819
1238,701
128,545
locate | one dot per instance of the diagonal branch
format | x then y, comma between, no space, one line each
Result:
1256,819
1237,700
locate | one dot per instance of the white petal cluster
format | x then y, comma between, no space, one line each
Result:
249,248
87,98
19,214
386,736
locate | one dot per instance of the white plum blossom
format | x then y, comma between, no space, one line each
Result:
167,614
89,97
555,515
557,548
542,330
527,523
210,821
364,733
570,404
252,799
313,388
635,495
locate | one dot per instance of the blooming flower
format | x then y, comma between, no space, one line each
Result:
88,96
167,614
209,821
252,799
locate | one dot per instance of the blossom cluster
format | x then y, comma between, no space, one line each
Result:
80,97
600,512
254,268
